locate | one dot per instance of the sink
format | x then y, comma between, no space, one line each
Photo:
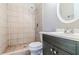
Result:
65,34
74,36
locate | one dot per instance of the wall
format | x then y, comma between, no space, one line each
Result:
49,17
38,20
21,23
71,25
3,27
76,10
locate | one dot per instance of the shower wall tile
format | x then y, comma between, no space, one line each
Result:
21,23
3,27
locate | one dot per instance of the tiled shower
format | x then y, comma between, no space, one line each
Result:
17,24
21,18
3,27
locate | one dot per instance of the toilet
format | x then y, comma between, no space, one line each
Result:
35,48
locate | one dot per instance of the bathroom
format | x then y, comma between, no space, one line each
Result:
18,27
24,23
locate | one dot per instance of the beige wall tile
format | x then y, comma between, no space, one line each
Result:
3,27
21,24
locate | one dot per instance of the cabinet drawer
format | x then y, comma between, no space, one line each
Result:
65,44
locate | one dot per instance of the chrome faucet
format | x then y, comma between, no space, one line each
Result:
69,30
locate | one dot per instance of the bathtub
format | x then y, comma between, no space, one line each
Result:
23,50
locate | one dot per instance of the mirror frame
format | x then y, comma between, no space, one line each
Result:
61,19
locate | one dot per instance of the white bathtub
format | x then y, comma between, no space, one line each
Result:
21,49
24,51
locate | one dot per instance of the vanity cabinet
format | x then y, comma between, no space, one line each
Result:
59,46
52,50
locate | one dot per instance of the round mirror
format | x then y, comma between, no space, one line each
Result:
68,12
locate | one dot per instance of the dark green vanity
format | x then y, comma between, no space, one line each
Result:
59,46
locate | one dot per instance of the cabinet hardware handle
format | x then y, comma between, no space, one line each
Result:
51,49
54,52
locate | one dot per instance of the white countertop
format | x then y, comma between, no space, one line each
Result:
74,36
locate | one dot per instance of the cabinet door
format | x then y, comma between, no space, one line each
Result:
47,50
62,43
61,52
77,48
58,51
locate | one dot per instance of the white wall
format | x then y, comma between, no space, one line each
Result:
49,17
50,20
76,10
